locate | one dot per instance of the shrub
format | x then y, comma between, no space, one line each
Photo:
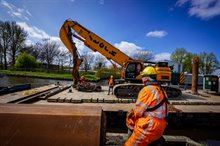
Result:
105,73
25,62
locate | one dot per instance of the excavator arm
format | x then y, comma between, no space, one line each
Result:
66,37
92,41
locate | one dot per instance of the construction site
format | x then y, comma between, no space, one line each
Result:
84,113
61,115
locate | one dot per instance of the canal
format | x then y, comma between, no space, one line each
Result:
6,81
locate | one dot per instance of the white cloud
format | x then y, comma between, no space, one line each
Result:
29,42
217,72
33,31
37,34
156,33
162,56
181,2
14,11
127,48
28,13
204,9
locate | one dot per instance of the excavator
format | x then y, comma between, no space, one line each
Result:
130,68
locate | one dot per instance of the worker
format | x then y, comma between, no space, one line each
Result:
138,68
147,118
111,84
82,79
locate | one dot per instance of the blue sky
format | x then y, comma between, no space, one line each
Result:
159,26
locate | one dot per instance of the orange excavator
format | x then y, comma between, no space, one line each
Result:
131,68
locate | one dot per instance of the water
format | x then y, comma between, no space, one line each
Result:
6,81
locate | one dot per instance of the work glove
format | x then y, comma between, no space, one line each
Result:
130,119
130,114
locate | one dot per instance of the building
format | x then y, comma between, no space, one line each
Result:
177,67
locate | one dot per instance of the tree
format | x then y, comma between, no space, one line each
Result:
1,56
18,37
25,62
12,38
5,40
49,51
143,55
62,58
187,64
70,61
1,45
100,61
202,60
208,63
35,50
88,58
179,56
105,73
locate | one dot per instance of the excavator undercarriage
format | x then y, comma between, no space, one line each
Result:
131,90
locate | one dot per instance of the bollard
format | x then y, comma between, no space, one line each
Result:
195,68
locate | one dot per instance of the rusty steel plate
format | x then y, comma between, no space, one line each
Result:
58,125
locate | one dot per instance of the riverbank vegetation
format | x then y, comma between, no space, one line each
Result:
103,73
63,76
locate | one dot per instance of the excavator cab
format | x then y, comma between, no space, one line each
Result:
132,72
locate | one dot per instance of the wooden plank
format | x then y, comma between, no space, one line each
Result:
68,99
53,99
22,94
61,99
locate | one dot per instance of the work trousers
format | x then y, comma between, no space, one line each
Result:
146,132
110,89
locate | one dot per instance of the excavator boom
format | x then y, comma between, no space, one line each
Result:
92,41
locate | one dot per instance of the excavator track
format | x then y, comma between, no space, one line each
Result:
127,90
130,91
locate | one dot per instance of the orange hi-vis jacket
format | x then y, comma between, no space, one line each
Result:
148,125
82,79
111,82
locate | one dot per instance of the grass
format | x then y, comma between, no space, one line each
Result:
65,76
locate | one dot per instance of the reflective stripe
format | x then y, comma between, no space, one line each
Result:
138,110
155,93
141,104
159,113
144,133
151,114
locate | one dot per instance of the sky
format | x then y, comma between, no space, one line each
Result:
158,26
